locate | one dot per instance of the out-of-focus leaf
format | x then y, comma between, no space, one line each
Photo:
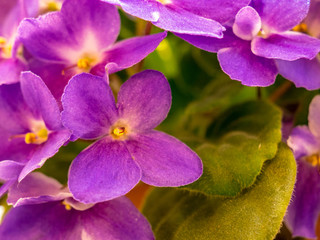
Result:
242,140
255,214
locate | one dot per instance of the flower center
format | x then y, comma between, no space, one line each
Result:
314,159
164,1
38,137
66,205
86,62
302,27
49,6
5,48
119,131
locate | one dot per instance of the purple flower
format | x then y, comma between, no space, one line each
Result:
45,210
304,72
127,150
80,38
30,128
11,13
304,209
184,16
259,36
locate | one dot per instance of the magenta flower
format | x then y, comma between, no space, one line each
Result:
31,129
127,150
43,209
81,38
304,209
304,72
259,36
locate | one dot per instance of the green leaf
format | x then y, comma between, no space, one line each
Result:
257,213
242,140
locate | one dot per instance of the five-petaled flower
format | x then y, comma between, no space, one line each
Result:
127,150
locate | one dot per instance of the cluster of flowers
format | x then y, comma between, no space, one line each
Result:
55,68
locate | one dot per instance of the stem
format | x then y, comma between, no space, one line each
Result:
147,32
280,91
259,93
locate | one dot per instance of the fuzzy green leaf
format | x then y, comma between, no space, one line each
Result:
255,214
242,140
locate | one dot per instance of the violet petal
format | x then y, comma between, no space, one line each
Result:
242,65
303,142
144,100
302,72
88,106
164,160
287,46
281,15
103,171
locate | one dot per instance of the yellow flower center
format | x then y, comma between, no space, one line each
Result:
119,131
5,48
86,62
66,205
302,27
164,1
314,159
39,137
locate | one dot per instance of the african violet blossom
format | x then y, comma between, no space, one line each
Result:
80,38
43,209
127,150
304,209
305,72
11,13
30,128
259,36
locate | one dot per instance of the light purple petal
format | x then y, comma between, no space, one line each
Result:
88,106
303,142
242,65
287,46
178,20
146,10
40,100
45,151
144,100
128,52
67,35
314,116
36,188
281,15
304,209
247,23
120,220
219,10
50,221
10,170
164,160
10,70
302,72
313,19
103,171
211,44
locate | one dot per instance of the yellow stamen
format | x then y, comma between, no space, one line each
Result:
67,206
119,131
164,1
302,27
3,41
83,63
314,160
36,138
53,6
